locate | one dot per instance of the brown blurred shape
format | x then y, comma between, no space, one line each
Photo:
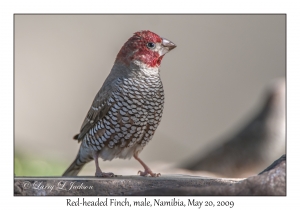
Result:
271,181
252,148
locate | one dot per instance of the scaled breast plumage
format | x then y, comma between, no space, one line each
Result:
135,110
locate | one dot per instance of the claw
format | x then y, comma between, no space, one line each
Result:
141,173
146,172
147,169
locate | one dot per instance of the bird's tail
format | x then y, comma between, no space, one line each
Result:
84,156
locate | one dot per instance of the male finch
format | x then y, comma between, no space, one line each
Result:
128,108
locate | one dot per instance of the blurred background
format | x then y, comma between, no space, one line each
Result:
224,87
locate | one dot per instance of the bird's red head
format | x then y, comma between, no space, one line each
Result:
146,48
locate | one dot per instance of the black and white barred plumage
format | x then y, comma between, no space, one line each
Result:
124,115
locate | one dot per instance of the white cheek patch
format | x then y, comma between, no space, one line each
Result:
160,49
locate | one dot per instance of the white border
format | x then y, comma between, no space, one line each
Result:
8,8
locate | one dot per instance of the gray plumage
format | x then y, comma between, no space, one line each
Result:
123,117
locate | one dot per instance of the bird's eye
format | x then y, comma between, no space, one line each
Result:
150,45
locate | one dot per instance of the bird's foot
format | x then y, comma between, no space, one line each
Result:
148,171
102,174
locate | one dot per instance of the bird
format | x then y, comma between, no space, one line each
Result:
255,145
128,108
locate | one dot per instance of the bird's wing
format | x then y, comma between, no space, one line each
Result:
99,108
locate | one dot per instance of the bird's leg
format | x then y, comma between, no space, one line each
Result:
147,169
99,173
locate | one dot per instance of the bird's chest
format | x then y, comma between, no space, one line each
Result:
136,110
140,98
